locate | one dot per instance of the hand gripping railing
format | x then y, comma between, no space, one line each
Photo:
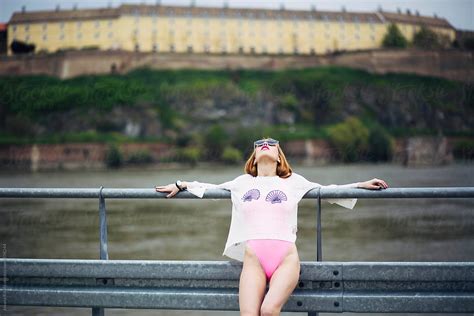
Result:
213,285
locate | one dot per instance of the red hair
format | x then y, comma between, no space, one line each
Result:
283,169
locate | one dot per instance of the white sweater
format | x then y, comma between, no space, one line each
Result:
264,207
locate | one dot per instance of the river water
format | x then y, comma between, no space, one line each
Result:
439,229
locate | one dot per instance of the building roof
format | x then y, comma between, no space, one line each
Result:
165,10
143,9
416,19
63,15
3,27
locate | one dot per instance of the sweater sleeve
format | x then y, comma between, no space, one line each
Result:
302,186
198,188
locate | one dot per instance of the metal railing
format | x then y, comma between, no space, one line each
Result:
213,285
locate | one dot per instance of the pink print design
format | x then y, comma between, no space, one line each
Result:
276,196
253,194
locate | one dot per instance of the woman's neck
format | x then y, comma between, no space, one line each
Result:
267,169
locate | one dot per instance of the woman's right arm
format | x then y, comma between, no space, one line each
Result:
195,187
172,188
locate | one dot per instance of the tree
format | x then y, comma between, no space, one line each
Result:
426,38
19,47
394,37
215,140
350,139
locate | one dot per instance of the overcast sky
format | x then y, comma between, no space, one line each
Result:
460,13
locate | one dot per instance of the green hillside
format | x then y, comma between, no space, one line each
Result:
227,108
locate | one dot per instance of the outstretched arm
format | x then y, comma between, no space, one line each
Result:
194,187
373,184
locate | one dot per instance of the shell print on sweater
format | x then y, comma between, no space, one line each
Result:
275,196
253,194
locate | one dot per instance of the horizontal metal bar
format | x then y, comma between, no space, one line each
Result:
153,298
221,299
150,193
230,270
214,285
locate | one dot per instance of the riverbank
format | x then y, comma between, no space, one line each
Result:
411,151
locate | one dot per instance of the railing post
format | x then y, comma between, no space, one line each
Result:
104,255
319,250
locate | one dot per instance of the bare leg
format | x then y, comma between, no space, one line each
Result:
282,284
252,285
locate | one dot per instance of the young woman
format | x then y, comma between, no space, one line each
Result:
263,227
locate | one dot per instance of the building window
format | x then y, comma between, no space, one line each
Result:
27,38
155,47
45,37
206,48
137,47
27,28
312,51
97,35
79,24
252,50
61,37
45,26
171,48
111,34
79,35
14,28
295,50
97,24
110,23
190,48
241,49
61,25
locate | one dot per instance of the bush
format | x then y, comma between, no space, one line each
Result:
380,145
113,158
468,43
190,154
350,139
19,47
215,140
464,149
426,38
140,156
394,37
232,155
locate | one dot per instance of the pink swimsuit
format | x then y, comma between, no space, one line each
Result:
270,253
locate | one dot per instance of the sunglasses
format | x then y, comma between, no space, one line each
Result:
260,142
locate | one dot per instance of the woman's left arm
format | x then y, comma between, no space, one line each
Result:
373,184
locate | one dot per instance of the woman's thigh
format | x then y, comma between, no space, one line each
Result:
284,280
252,285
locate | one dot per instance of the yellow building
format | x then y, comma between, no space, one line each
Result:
163,28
